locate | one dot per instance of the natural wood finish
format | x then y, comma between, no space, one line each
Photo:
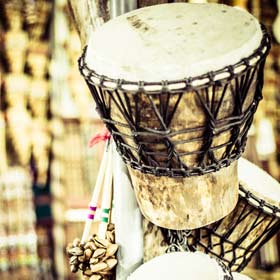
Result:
145,3
88,15
186,203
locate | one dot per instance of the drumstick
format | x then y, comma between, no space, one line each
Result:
88,15
106,197
96,193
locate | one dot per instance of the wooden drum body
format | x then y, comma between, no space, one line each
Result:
181,136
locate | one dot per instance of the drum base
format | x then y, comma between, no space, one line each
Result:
186,203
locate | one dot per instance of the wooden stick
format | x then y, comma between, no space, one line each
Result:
88,15
96,193
106,197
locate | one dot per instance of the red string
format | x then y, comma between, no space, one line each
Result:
99,137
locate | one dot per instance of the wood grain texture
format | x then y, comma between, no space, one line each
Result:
186,203
88,15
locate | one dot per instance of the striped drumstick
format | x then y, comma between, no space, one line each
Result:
107,196
96,193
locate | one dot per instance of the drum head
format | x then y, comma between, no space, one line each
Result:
172,42
255,180
181,266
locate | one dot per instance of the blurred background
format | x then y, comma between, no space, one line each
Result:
47,117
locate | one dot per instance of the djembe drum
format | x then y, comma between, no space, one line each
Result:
235,238
177,86
182,265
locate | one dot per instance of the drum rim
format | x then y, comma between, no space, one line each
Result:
186,84
224,273
259,203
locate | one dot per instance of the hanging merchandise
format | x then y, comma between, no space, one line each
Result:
25,83
19,124
95,253
16,87
38,97
15,45
37,17
25,115
41,143
18,235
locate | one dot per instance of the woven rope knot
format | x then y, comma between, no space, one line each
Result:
119,84
231,71
211,76
102,79
141,85
164,86
262,203
246,61
212,124
275,209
